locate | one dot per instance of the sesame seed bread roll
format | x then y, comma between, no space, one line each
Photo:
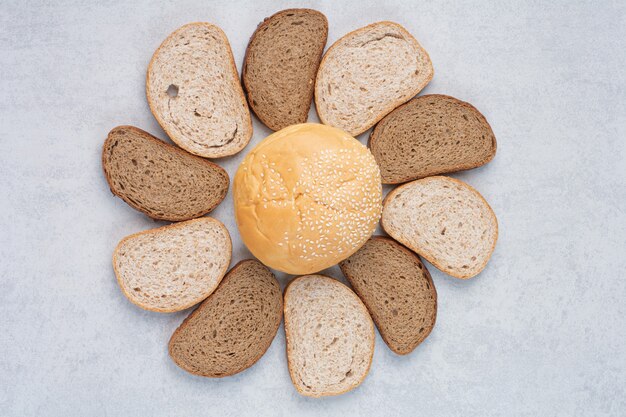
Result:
306,198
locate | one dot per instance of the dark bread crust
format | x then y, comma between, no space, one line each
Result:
381,277
256,349
159,210
478,147
275,118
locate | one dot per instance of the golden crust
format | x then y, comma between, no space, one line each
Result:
306,198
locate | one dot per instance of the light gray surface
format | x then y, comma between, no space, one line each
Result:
540,332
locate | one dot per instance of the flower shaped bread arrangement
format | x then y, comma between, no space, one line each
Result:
306,198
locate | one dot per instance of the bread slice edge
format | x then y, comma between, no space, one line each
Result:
160,230
383,335
373,136
290,365
238,87
428,256
395,104
170,148
244,82
197,310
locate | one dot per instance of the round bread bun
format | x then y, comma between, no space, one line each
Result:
306,198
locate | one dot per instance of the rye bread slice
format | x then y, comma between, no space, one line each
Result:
368,73
430,135
445,221
330,336
159,179
232,329
174,267
397,289
194,92
281,63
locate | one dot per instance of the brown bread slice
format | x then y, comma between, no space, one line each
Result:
445,221
330,336
194,92
281,63
368,73
159,179
429,135
174,267
397,289
232,328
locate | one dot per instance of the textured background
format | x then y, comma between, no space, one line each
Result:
540,332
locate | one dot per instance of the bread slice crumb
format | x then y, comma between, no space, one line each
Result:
174,267
430,135
445,221
194,92
233,328
281,63
330,336
368,73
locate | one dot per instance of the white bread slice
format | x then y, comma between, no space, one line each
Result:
171,268
330,336
445,221
368,73
194,92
